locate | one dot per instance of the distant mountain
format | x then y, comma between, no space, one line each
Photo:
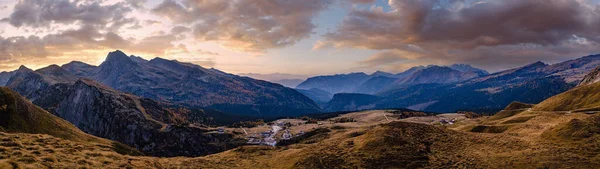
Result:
28,82
351,102
409,72
19,115
469,68
80,69
375,85
291,83
531,83
380,81
194,86
318,95
437,74
341,83
382,73
287,80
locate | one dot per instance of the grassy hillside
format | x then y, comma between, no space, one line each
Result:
512,139
581,98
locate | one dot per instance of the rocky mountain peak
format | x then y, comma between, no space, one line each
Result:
51,68
22,68
118,57
536,65
468,68
382,73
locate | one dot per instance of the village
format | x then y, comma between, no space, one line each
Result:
269,134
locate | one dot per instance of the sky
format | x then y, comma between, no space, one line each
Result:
302,37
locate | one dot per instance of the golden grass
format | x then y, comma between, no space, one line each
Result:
530,140
581,97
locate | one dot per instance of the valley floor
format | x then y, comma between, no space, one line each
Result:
509,139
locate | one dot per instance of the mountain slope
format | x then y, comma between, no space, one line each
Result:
141,123
195,86
80,69
317,95
5,77
591,78
468,68
152,127
585,97
343,83
436,74
27,82
19,115
351,102
375,85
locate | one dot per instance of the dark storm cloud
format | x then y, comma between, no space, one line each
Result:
479,32
246,25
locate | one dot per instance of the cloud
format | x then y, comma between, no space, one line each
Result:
476,31
64,30
363,1
86,42
246,25
42,13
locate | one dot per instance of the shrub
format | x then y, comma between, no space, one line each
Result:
343,120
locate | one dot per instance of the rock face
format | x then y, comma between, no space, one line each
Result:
5,76
19,115
591,78
149,126
141,123
194,86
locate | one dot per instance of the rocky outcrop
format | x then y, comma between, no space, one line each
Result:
592,77
152,127
5,76
18,115
140,123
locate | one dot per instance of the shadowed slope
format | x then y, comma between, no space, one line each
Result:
17,114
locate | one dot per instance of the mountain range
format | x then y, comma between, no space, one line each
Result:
380,81
193,86
287,80
457,87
